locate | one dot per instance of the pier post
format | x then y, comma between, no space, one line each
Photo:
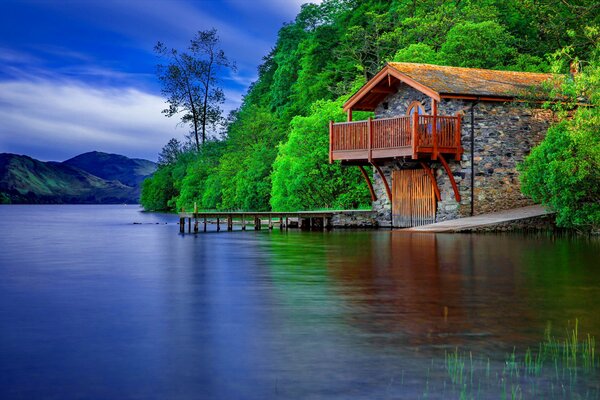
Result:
281,222
218,224
230,223
243,222
270,222
195,225
287,222
181,225
205,224
190,225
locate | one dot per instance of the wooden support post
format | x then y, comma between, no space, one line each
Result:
190,225
218,224
385,182
370,139
281,222
366,176
324,223
452,181
229,223
287,222
415,135
195,225
181,225
330,142
350,115
434,138
205,224
270,222
243,222
457,137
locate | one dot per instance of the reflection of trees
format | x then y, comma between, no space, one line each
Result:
397,287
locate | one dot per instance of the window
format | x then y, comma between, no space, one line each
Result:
415,106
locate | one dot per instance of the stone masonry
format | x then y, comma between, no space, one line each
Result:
504,134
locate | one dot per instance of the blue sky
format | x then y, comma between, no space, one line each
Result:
79,75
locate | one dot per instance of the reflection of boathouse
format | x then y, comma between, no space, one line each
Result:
428,118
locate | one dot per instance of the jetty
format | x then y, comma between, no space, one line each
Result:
305,220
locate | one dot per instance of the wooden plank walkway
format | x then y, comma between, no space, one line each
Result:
316,220
464,224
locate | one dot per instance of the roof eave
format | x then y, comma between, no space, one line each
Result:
385,71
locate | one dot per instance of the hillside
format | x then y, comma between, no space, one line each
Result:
274,155
113,167
26,180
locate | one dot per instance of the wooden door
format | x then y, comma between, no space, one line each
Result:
413,198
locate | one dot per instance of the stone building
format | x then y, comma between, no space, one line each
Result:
444,141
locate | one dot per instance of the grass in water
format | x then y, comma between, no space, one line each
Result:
558,368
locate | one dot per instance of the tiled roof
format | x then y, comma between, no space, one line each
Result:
471,81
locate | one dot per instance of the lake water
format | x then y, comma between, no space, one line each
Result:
101,302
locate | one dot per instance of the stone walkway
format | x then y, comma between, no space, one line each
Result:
467,223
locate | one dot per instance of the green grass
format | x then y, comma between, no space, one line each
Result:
563,367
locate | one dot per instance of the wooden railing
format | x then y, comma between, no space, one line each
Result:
410,135
350,136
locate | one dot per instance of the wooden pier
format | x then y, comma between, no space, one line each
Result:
305,220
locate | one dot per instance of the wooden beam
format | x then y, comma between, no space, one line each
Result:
349,115
366,176
385,182
434,112
457,137
384,90
452,181
330,142
415,135
370,139
429,172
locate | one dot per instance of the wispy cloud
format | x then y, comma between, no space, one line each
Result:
56,118
68,115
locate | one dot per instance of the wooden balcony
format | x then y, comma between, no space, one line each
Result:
416,136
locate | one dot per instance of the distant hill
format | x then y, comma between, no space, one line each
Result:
114,167
26,180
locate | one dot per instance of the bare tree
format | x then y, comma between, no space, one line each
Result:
190,81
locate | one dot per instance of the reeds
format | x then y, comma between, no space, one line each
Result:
556,368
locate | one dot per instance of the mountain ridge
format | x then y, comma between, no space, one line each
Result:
89,178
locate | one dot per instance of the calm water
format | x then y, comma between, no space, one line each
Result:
95,306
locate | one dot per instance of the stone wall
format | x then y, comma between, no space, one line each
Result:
354,219
504,134
542,223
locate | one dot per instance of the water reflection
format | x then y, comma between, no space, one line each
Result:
138,311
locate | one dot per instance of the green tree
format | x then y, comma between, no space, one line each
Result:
418,53
478,45
190,82
302,177
563,172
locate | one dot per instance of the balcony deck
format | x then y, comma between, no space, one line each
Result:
416,136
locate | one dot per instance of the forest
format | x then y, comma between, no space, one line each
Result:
273,152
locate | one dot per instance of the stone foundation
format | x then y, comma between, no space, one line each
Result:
354,219
543,223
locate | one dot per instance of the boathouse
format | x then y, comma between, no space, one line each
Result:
444,142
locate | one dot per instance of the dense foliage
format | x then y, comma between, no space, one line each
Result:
563,172
274,152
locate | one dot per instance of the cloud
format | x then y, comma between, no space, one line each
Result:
50,119
54,119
